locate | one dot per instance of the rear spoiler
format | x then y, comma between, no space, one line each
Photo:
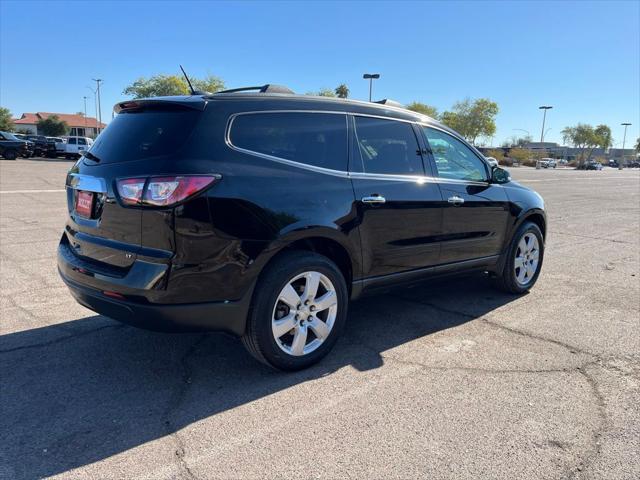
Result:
192,102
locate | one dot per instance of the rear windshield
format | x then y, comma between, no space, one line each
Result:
144,133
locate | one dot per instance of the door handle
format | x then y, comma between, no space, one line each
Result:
374,199
456,200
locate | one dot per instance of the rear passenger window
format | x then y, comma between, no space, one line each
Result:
72,141
387,146
318,139
82,141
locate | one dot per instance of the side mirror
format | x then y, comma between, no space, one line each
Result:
500,175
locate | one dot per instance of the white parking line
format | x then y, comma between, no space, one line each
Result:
31,191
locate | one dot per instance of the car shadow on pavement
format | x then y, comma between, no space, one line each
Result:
78,392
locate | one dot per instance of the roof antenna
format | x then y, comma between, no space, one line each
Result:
193,92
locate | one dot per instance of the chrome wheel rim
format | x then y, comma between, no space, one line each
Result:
527,258
304,313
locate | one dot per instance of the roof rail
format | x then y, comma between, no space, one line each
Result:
268,88
391,103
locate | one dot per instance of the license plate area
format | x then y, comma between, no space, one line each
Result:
84,203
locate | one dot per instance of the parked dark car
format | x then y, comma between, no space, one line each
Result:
590,166
12,147
30,145
262,214
53,146
41,144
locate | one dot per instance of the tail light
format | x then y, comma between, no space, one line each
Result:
162,191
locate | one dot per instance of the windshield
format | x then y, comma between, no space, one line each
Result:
144,133
10,136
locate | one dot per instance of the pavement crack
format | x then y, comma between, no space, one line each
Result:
593,238
590,456
523,333
61,339
174,403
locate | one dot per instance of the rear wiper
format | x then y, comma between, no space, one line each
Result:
91,156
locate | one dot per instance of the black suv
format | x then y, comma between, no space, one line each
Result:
262,213
12,147
41,144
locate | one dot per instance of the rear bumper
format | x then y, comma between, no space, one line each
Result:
89,287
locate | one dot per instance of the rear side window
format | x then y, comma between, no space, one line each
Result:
318,139
143,133
82,141
387,146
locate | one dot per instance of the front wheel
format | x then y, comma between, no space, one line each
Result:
10,154
299,309
524,260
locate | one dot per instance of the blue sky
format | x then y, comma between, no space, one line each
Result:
581,57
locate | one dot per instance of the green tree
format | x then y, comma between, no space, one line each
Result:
342,91
165,85
496,153
521,155
424,109
604,139
326,92
210,84
585,138
472,118
6,123
53,126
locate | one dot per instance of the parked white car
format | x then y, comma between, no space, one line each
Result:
75,145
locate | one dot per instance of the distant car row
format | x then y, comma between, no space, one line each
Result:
14,145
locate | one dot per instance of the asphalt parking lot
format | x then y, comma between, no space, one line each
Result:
447,379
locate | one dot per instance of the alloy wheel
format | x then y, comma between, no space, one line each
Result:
304,313
527,258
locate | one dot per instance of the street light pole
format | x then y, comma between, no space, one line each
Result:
85,113
98,81
371,77
95,98
544,118
624,140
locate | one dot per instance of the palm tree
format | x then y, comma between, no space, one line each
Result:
342,91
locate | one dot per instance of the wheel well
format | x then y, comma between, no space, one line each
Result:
330,249
539,221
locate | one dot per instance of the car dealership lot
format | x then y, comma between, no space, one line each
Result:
445,379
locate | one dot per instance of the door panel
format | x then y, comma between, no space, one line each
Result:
402,233
400,212
475,228
475,212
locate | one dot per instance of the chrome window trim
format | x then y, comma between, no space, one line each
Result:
342,173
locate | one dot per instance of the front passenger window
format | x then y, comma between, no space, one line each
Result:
453,158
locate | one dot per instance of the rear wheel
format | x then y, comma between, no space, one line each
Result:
300,307
10,154
524,260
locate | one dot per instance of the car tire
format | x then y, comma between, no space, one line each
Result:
10,154
289,280
523,262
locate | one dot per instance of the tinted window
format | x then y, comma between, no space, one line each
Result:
453,158
82,141
387,146
318,139
143,133
71,141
